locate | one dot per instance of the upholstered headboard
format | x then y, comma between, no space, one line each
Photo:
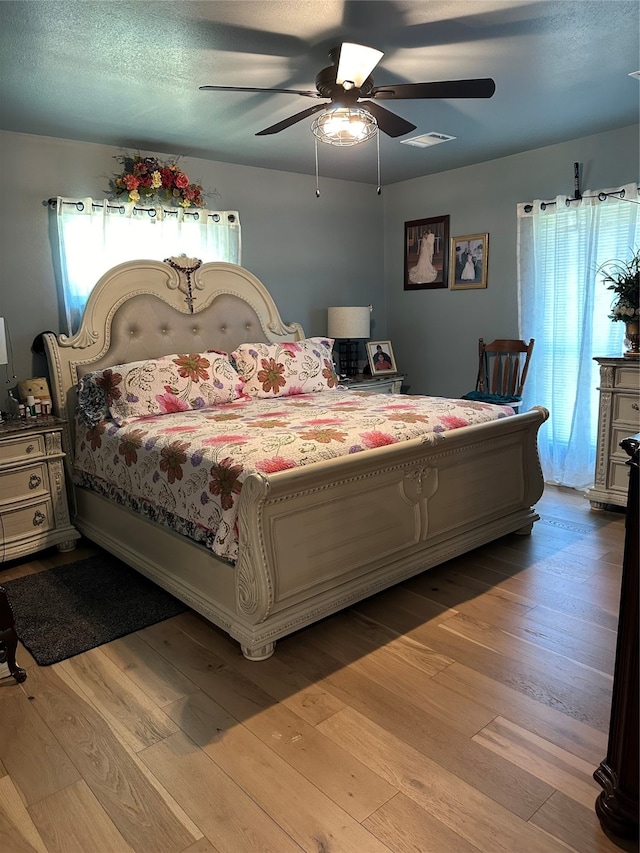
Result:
143,309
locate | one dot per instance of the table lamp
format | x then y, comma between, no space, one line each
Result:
348,326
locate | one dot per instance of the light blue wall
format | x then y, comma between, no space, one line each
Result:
310,252
435,332
345,248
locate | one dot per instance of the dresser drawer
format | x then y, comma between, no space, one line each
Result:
22,448
627,377
26,520
21,483
618,476
626,409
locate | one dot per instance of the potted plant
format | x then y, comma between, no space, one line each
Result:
623,278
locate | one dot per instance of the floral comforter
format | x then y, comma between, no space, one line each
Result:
186,469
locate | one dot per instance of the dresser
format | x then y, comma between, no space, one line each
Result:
34,512
376,385
618,418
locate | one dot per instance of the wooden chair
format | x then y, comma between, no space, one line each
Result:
502,369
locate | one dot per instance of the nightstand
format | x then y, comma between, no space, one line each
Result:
619,417
376,384
34,513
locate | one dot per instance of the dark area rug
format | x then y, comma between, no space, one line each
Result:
70,609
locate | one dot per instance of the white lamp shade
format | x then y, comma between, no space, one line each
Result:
351,322
3,343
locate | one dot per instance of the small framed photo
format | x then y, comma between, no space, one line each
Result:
426,253
469,258
381,358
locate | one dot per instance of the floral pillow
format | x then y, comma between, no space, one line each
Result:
284,369
173,383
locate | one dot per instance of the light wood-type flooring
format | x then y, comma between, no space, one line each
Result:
464,710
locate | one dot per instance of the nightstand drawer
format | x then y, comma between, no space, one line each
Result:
22,448
34,513
626,408
380,385
23,483
26,521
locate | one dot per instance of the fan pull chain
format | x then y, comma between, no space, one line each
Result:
378,188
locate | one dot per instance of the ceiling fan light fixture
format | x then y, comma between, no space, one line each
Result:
344,126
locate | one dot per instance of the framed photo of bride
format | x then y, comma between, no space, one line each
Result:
426,253
469,258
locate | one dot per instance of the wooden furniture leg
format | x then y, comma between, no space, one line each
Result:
9,638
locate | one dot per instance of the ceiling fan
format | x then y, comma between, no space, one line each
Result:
347,84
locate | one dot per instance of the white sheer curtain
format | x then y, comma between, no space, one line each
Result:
564,305
95,235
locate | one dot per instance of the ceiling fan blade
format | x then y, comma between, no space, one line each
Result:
388,122
483,87
356,63
283,125
306,94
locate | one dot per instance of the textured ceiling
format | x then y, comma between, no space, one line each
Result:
127,74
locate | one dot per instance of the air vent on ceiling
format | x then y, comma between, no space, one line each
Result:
427,139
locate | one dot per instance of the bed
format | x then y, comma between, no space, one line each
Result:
313,538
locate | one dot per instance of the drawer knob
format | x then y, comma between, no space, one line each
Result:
38,518
30,448
34,481
635,407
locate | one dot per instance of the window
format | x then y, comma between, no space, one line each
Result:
94,236
565,305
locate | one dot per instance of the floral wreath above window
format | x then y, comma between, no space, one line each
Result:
151,181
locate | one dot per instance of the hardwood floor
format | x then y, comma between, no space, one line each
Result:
465,710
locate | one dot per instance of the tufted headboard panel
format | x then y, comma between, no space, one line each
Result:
146,328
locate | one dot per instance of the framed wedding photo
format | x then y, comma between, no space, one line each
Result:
426,253
381,359
469,258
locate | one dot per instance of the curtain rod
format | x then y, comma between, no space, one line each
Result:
619,195
151,211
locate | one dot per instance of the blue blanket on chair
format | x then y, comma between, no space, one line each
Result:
500,399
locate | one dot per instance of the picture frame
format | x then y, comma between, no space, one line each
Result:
382,361
426,253
469,262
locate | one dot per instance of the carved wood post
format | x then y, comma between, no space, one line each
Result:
617,805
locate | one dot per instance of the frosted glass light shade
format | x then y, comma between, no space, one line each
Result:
351,322
3,343
356,63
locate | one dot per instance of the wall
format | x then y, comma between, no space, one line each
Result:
310,252
435,332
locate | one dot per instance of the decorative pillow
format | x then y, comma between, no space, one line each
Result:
173,383
284,369
92,397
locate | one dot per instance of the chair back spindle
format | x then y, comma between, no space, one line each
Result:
503,367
